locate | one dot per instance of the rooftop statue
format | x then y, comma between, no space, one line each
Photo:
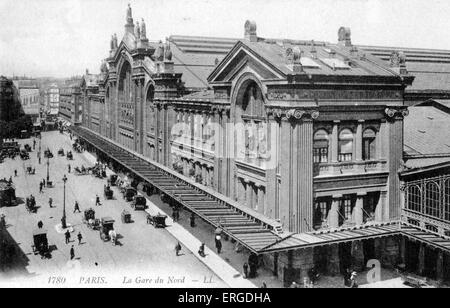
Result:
143,30
137,31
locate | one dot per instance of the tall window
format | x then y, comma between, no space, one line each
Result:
414,198
346,209
345,145
447,200
321,208
369,144
432,199
321,146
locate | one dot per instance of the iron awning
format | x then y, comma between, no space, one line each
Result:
425,237
329,237
251,231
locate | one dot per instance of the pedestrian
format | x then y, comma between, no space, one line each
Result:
80,237
178,249
40,224
50,202
15,173
43,182
245,270
192,220
77,207
67,234
201,250
10,180
72,253
218,244
39,159
40,188
69,168
97,200
264,285
174,215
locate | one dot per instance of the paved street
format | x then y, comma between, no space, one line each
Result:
143,253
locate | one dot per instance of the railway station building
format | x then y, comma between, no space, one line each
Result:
302,151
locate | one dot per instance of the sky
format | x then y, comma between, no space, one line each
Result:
62,38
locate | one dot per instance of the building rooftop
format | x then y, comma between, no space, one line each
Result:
426,137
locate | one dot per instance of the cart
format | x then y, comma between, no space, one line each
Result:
61,152
108,192
129,193
112,180
40,243
89,219
69,155
24,155
126,217
27,148
30,204
106,225
158,221
139,203
48,154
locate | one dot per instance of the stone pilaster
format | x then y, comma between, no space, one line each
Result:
297,170
333,213
358,210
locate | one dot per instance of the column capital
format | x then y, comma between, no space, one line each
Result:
361,194
337,196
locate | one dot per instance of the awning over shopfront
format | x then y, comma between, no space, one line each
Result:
329,237
249,228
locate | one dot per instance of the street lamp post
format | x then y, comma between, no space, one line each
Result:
63,219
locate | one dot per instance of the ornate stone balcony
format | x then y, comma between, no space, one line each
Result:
349,167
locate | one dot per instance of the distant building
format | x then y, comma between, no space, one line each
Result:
70,106
53,99
29,97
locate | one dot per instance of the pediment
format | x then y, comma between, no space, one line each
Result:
239,58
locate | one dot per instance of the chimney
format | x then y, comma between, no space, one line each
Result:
250,31
296,57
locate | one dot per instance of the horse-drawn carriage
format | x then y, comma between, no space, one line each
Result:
128,193
27,147
48,154
7,194
112,181
98,172
81,171
108,192
40,243
158,221
77,147
69,155
107,232
24,155
90,220
126,217
139,203
30,204
61,152
31,170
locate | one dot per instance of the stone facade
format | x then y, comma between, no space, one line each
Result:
314,142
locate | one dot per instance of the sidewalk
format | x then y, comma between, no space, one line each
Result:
214,262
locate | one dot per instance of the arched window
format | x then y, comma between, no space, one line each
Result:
321,146
414,198
432,199
369,144
346,145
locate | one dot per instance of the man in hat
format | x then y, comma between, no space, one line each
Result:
77,207
80,237
67,235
